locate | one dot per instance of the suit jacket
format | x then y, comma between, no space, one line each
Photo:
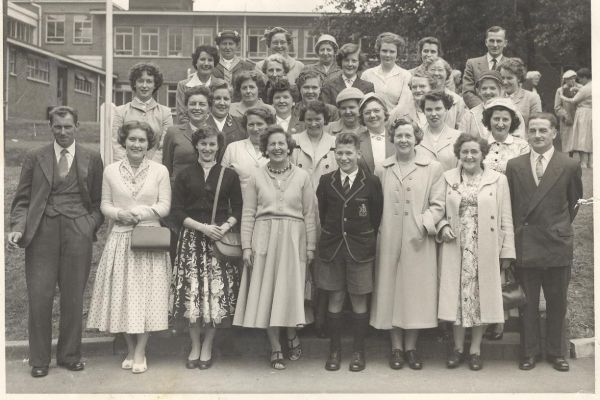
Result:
178,151
542,215
35,185
232,130
350,220
366,161
473,70
332,87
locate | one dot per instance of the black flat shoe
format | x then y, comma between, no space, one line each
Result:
413,360
334,361
74,366
527,363
455,359
396,359
559,363
475,363
192,364
357,363
205,364
39,372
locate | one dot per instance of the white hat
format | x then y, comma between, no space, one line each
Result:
326,38
569,74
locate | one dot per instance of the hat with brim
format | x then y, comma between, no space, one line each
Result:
501,102
228,34
569,74
350,93
494,75
372,96
326,38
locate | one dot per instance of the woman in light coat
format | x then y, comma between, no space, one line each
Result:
405,294
478,240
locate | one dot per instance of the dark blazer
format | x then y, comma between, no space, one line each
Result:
232,130
332,87
242,65
178,152
35,185
542,215
366,150
351,220
473,70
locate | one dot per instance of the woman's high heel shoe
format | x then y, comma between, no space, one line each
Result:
127,364
139,368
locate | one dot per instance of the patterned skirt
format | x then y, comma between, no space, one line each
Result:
204,289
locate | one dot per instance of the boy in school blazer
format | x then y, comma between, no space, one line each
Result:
350,209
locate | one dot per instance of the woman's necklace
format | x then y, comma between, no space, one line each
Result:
279,171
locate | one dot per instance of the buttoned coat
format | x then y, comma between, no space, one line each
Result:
495,240
405,292
324,155
473,70
35,185
351,220
445,148
527,103
543,214
332,87
366,150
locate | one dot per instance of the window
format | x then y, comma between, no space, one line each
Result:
171,98
309,45
55,28
12,61
38,69
82,29
175,42
122,95
257,45
83,84
293,51
123,41
21,31
203,36
149,41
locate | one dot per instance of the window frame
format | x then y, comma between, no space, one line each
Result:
82,79
144,33
125,92
82,39
34,69
196,33
171,33
12,61
21,31
309,52
124,35
60,19
172,91
258,34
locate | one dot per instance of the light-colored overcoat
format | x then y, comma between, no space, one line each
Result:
495,240
443,151
316,162
405,292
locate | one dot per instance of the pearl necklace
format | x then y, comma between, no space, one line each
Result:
279,171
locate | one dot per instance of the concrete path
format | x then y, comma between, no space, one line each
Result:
253,374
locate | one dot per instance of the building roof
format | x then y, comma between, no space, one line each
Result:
65,59
118,5
257,7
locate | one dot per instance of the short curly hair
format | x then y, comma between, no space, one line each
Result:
262,112
487,118
128,126
437,95
466,138
348,138
514,65
63,111
306,75
584,73
210,50
271,130
276,57
282,84
361,118
423,75
348,49
206,132
151,69
402,121
203,90
272,32
317,107
445,64
220,85
245,76
389,37
430,40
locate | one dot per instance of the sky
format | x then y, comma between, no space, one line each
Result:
250,5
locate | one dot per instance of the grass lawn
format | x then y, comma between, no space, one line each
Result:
581,291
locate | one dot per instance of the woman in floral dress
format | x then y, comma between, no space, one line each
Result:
204,288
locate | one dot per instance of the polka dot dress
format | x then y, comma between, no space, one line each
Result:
131,292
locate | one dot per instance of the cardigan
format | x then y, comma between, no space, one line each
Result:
263,199
154,194
194,194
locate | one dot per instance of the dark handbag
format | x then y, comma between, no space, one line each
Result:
150,238
512,292
229,247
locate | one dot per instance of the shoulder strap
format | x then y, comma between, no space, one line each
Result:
214,211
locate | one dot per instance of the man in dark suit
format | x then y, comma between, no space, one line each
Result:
55,215
544,187
495,41
350,208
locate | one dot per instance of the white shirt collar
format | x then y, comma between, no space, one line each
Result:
351,175
509,139
58,149
195,81
490,58
547,155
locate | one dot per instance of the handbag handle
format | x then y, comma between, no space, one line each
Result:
214,211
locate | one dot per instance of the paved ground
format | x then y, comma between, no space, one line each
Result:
252,374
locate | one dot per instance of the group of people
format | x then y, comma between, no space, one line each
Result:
385,186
